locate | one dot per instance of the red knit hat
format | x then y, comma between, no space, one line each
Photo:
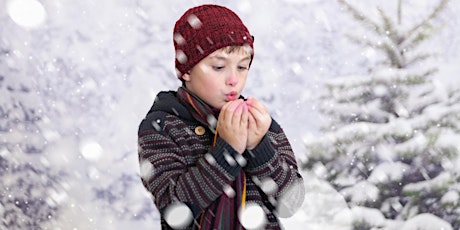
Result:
205,29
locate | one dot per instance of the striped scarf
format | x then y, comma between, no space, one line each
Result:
223,213
198,108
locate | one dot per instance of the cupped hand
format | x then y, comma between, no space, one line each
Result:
258,122
232,124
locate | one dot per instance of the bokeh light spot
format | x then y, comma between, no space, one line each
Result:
26,13
91,150
269,186
178,215
228,190
252,216
146,170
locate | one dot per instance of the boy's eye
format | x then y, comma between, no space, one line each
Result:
222,67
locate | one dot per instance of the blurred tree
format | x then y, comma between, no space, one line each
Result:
29,195
391,141
59,86
20,109
28,188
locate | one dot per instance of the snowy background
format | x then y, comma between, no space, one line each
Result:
77,77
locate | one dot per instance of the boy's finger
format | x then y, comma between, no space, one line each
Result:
245,115
256,113
251,121
223,112
236,117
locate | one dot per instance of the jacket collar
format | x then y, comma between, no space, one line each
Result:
166,101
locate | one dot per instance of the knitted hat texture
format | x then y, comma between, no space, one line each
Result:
204,29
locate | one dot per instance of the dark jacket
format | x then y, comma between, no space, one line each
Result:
186,168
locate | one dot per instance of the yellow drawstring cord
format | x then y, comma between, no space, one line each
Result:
215,139
243,197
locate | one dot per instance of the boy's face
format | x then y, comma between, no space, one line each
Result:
220,77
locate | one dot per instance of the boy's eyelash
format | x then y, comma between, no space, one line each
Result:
221,67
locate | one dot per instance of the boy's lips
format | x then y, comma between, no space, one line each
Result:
231,96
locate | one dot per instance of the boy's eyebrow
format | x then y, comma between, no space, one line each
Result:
224,58
246,58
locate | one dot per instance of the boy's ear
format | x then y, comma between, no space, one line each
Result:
186,76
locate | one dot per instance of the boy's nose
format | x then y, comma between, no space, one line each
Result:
232,79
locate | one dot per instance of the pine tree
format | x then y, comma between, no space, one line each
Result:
391,142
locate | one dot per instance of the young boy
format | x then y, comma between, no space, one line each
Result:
207,148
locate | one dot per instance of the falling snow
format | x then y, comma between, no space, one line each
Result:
178,215
75,82
252,216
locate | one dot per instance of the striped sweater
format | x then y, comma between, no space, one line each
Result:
184,167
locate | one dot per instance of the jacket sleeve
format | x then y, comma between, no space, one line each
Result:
273,167
166,174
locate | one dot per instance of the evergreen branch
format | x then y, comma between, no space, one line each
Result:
381,46
433,15
389,28
394,55
415,40
418,37
391,47
399,11
419,78
364,42
418,58
358,15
